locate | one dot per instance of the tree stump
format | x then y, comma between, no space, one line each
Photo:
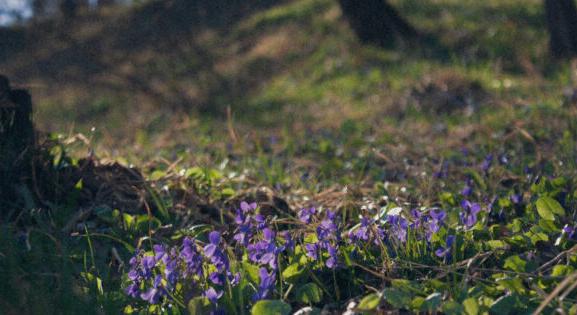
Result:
16,139
376,22
562,23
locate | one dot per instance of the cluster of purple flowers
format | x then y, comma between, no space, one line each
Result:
368,230
141,270
263,248
198,267
395,229
328,236
398,228
437,219
219,260
154,277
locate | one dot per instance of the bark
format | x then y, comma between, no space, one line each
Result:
68,9
561,18
376,22
39,8
104,3
16,138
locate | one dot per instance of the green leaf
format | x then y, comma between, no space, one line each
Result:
251,271
561,270
370,302
515,263
452,308
227,192
432,302
397,297
311,238
503,305
537,237
406,285
496,244
512,284
291,273
309,293
128,309
548,226
99,286
471,306
128,220
417,303
348,261
270,307
157,175
547,207
198,306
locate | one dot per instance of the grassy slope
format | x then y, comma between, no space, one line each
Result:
299,59
307,101
284,69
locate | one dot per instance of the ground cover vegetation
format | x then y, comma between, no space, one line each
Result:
310,175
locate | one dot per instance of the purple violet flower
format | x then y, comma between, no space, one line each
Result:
445,252
289,242
436,220
191,257
216,278
160,252
266,286
248,207
570,232
362,232
171,271
469,214
486,164
133,290
399,227
468,188
516,198
312,251
147,263
305,215
214,253
332,261
153,294
213,295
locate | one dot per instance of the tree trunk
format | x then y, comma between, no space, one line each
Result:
376,22
105,3
38,9
16,138
562,23
68,9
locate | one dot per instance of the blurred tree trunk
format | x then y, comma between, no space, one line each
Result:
39,9
105,3
562,23
69,9
376,22
16,138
